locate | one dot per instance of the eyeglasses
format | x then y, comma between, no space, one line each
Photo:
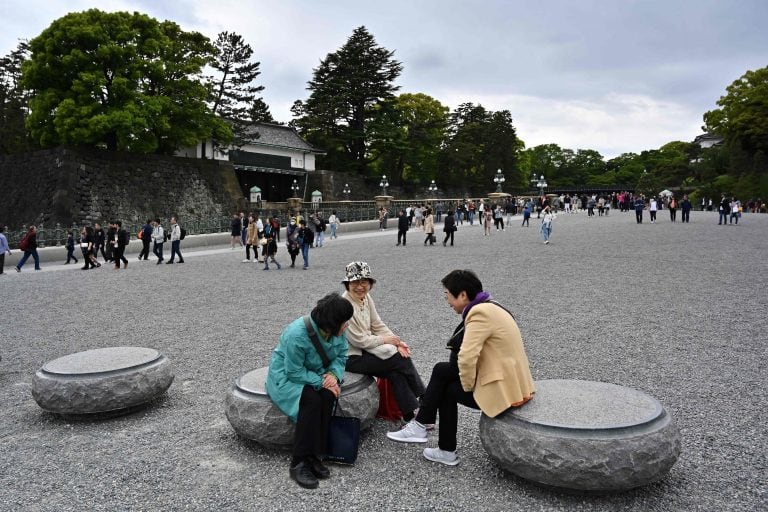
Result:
362,283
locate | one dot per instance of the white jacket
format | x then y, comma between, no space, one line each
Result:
158,234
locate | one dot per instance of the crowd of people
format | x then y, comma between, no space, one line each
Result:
253,233
345,333
261,238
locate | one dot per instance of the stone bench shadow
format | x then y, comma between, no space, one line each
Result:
253,415
102,383
584,436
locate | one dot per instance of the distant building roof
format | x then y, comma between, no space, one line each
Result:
707,140
279,136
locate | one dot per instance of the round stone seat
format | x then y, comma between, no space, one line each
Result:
584,436
104,381
253,415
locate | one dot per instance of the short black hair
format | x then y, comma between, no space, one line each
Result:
331,312
459,281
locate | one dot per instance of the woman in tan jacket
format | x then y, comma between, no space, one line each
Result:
488,368
429,227
252,240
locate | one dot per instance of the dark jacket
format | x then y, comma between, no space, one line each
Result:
402,222
306,236
146,233
98,237
450,223
122,238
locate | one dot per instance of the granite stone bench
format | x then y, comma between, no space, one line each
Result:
584,436
254,416
104,381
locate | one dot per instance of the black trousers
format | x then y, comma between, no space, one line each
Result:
448,236
2,262
158,250
118,255
639,216
311,437
673,214
144,249
686,215
176,250
401,235
406,383
444,393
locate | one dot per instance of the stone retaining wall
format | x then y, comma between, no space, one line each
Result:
80,185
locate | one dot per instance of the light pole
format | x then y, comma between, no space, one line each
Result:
498,180
346,191
295,189
384,184
432,188
542,184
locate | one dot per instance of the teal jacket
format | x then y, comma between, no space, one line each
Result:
295,363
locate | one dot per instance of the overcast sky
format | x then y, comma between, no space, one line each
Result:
615,75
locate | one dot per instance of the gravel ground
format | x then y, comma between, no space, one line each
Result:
675,310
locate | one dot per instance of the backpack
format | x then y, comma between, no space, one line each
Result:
183,234
24,243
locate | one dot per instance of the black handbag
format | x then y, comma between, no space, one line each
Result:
343,432
343,439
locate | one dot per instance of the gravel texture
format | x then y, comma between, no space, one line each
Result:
675,310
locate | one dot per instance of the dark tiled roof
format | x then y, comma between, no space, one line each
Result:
275,135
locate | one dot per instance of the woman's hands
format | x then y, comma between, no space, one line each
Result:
332,384
402,347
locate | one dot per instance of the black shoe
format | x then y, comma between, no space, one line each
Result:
159,262
318,468
170,262
303,476
181,261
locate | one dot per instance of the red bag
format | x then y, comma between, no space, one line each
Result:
388,408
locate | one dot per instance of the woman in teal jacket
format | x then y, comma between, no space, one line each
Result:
304,389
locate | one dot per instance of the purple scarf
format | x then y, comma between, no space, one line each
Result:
480,297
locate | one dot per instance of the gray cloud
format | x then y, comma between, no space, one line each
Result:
631,71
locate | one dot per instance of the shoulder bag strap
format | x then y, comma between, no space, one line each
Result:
505,309
316,342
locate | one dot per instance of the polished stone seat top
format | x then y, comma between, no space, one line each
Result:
102,360
584,436
103,381
588,405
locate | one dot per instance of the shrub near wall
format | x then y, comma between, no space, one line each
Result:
74,185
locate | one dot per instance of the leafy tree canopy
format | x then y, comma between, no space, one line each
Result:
14,102
346,91
120,81
407,139
743,114
233,91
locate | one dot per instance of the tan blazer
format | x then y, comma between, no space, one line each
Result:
253,235
429,224
492,360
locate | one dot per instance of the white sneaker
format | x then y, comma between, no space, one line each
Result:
412,432
246,261
441,456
